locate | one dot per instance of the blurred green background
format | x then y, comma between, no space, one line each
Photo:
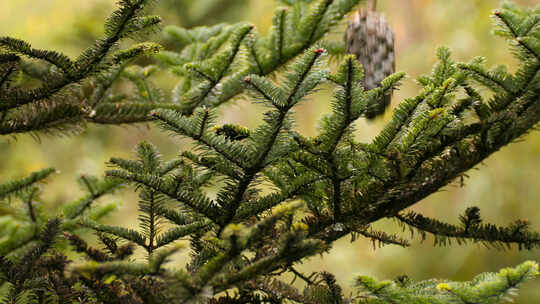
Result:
506,186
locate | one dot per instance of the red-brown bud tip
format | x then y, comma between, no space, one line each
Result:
247,79
319,51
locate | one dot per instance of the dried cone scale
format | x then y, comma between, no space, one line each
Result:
371,39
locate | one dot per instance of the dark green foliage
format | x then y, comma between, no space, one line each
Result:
473,229
346,185
22,215
154,206
21,277
17,186
254,203
58,103
238,50
74,92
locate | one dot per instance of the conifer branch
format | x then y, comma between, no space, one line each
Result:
443,161
382,238
83,247
487,288
299,83
19,274
177,123
58,103
17,186
245,235
96,189
473,229
288,38
194,200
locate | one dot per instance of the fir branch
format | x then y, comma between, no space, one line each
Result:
17,186
21,47
46,239
114,267
55,98
161,257
194,200
96,189
177,233
224,60
382,238
126,113
115,30
444,159
124,233
301,81
292,248
149,217
280,290
29,203
179,124
472,229
485,288
82,247
503,17
301,276
284,42
245,233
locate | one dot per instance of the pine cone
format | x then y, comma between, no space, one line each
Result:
371,39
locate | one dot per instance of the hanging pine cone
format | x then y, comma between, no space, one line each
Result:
371,39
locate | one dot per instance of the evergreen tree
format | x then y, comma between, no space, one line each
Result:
324,187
